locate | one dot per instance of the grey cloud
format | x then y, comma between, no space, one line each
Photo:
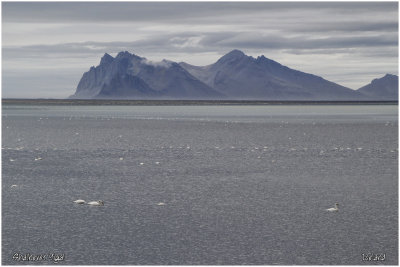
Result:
389,52
160,11
348,26
252,40
206,42
108,11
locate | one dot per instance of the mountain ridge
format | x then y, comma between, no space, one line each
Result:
130,76
268,79
382,88
234,76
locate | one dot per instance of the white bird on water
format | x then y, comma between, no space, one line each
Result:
336,208
79,201
96,203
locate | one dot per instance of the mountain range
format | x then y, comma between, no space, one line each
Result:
235,76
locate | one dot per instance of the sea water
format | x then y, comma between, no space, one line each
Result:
200,184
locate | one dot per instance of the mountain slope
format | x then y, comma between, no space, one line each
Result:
131,76
244,77
234,76
385,88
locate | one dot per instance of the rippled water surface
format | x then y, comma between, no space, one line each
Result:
200,184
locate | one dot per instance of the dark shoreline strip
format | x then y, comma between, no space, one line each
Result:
103,102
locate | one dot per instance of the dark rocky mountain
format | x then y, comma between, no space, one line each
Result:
244,77
128,76
385,88
233,76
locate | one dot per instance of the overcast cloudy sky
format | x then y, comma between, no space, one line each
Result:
48,45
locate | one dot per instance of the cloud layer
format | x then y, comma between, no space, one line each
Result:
347,42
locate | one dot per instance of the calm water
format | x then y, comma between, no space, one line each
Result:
240,184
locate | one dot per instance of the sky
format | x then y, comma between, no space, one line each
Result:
47,46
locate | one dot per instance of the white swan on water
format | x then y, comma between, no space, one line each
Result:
79,201
336,208
96,203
